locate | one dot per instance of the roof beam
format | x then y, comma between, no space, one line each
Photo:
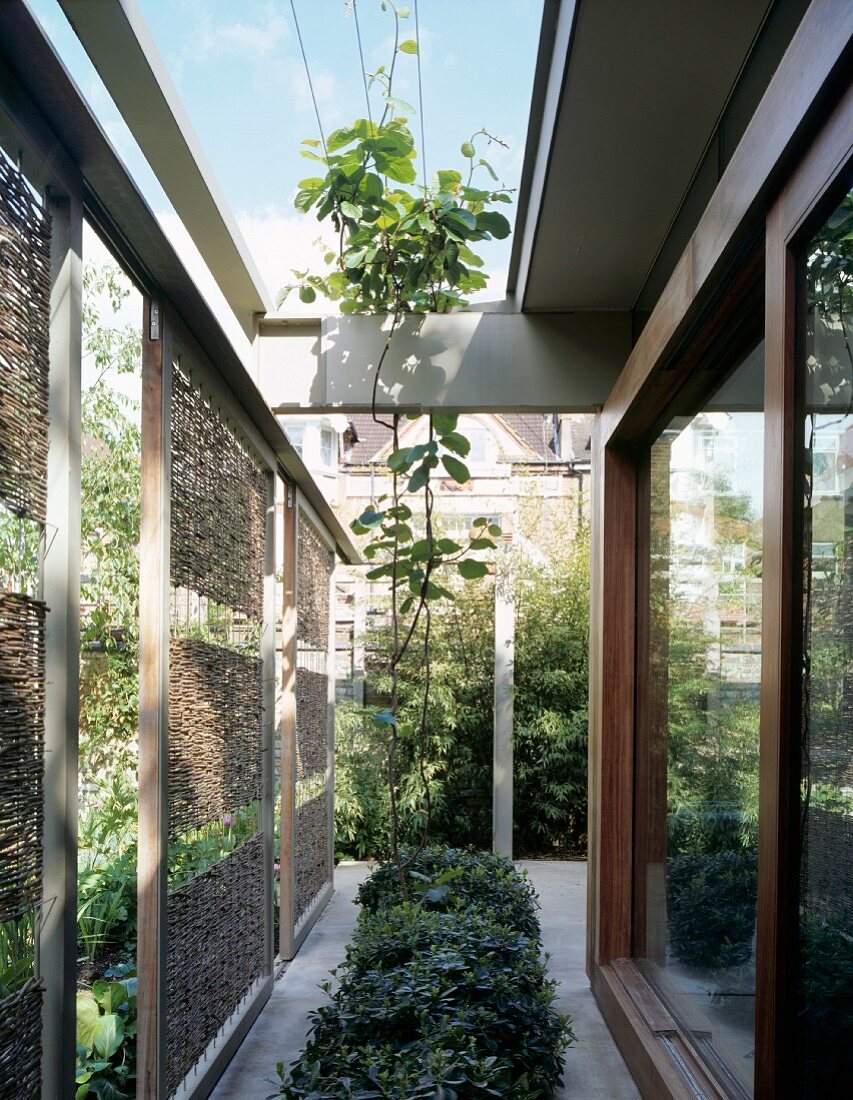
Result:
116,38
473,362
558,20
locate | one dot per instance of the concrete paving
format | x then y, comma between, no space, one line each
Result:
595,1070
594,1067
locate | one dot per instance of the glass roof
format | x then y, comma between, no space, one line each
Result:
240,74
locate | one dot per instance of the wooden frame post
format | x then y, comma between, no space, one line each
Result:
782,612
288,723
502,762
61,591
153,703
611,698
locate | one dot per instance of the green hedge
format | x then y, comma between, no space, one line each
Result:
711,907
445,996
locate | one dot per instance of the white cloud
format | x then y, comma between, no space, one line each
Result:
255,41
325,89
280,242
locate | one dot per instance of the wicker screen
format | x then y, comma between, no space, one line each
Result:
216,945
312,818
24,363
218,511
24,366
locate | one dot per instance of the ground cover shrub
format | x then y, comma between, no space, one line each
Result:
446,995
711,900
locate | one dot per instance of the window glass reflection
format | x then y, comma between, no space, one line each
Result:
826,873
698,881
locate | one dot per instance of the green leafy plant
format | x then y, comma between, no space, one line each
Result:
550,735
199,849
404,248
17,953
106,1031
444,995
711,901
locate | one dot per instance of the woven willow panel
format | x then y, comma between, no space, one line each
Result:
314,577
215,715
218,505
20,1044
24,326
312,722
215,953
312,820
312,869
21,753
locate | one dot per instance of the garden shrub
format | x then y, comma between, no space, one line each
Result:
446,995
362,810
550,730
451,879
711,901
825,1024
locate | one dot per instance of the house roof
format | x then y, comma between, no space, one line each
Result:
581,432
533,430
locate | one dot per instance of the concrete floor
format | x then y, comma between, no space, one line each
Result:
594,1067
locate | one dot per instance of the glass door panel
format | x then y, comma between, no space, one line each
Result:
825,1019
697,798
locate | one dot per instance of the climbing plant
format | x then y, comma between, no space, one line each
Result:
401,247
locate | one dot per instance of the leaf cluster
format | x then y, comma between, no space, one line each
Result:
409,561
400,247
106,1037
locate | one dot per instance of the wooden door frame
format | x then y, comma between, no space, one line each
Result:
165,339
799,206
791,152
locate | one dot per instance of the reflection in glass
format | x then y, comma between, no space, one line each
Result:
697,887
826,873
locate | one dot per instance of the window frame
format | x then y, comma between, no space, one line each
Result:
709,290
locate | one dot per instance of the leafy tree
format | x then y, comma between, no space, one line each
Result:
403,247
110,517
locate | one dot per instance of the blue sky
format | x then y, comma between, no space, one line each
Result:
237,67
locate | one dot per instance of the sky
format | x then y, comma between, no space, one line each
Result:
240,74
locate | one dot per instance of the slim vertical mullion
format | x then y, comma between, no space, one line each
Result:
153,704
61,592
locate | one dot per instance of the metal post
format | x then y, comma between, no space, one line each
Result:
268,656
58,934
504,673
288,723
330,724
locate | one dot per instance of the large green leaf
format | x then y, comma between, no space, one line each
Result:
419,478
492,222
88,1018
409,46
457,470
444,422
472,570
108,1035
455,441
